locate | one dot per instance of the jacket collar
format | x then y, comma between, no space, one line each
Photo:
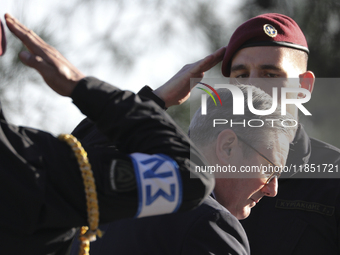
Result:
299,152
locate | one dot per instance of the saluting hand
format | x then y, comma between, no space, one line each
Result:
56,70
177,90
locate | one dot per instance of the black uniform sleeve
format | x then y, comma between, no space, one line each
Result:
42,186
42,190
147,92
142,126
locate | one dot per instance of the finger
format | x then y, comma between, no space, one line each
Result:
212,60
34,43
218,55
61,84
31,40
19,29
209,62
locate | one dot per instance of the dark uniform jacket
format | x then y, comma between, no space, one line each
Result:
209,229
206,230
304,217
42,193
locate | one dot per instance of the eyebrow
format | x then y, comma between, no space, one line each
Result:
262,67
270,67
237,68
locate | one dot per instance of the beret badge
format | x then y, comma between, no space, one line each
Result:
270,30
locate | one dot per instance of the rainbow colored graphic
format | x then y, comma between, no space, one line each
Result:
208,92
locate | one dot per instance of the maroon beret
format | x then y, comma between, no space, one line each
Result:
270,29
2,39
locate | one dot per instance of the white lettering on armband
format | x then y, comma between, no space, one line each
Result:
159,184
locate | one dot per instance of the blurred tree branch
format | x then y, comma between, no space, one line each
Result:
112,33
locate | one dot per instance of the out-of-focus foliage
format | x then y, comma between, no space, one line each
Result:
118,33
113,33
14,76
132,29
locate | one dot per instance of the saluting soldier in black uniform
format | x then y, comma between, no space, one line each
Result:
42,192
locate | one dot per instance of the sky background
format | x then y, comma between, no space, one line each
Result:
73,27
132,43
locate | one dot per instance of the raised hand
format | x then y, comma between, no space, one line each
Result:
55,69
177,90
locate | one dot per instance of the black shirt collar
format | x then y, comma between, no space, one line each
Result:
299,152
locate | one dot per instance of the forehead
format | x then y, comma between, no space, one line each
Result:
261,55
260,58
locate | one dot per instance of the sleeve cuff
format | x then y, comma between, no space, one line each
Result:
91,96
147,92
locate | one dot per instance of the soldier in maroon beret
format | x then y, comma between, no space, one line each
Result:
304,217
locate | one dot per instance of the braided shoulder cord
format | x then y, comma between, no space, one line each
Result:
87,234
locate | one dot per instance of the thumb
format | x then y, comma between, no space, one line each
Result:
36,62
25,57
30,60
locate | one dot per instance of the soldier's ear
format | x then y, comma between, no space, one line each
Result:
307,80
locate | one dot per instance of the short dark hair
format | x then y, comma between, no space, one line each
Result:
299,58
